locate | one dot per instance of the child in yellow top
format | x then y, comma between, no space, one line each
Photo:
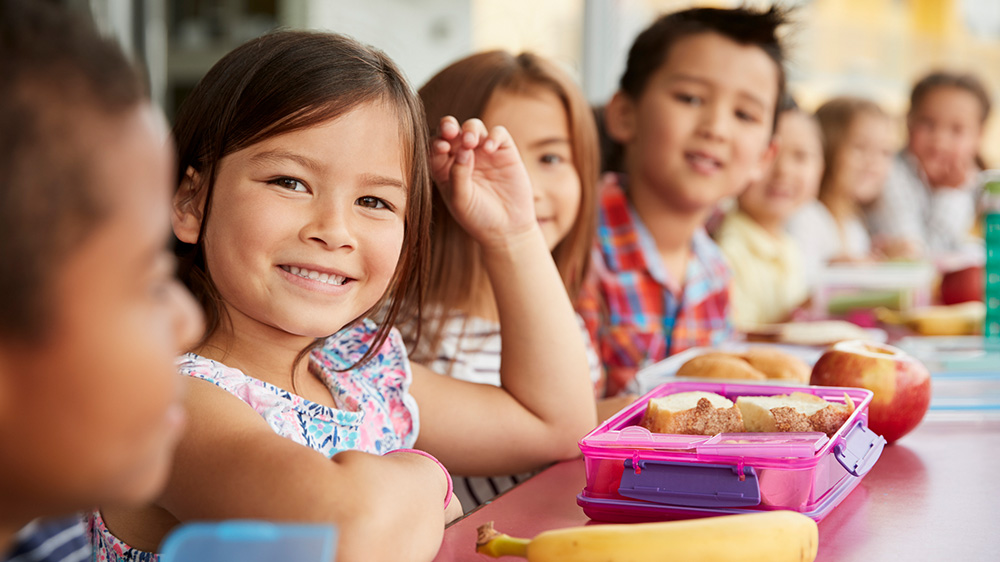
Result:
768,275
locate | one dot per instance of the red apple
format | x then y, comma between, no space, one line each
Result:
962,285
901,385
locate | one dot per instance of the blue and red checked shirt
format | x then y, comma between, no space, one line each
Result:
635,313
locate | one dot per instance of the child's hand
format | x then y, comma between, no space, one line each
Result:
947,171
482,180
895,249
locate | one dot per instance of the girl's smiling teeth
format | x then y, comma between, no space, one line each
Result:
315,275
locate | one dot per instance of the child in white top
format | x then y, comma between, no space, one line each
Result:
552,125
857,146
302,209
928,207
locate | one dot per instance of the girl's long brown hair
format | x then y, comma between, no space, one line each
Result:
283,82
464,90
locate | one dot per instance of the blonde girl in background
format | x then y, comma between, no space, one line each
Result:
858,147
303,207
554,131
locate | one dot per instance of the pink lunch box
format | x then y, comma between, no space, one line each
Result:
635,475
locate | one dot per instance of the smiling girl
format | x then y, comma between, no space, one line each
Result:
552,125
303,208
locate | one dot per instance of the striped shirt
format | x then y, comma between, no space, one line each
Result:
51,540
633,309
470,350
937,220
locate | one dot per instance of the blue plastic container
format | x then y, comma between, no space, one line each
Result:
250,541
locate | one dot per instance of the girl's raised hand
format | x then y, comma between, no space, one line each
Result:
482,180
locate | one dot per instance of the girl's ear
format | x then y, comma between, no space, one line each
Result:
620,118
189,207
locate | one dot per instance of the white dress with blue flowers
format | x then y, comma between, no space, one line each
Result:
375,412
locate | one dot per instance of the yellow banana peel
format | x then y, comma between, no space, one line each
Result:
767,536
947,320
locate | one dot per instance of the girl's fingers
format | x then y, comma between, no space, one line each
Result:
448,127
440,146
498,138
473,133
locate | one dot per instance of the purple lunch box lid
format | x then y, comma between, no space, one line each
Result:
636,511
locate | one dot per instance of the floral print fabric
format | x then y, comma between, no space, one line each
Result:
375,412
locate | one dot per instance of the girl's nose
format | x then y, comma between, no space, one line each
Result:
332,226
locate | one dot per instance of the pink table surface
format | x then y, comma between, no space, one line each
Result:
934,495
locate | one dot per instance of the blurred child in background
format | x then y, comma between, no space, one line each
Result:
857,148
928,205
92,317
769,280
695,113
552,125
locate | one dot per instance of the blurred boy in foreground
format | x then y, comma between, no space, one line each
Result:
91,318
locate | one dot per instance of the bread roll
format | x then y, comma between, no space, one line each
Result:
797,411
720,365
692,413
777,364
756,363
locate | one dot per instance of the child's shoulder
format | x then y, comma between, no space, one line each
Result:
732,228
195,365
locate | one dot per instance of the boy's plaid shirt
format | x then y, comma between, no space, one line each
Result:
633,310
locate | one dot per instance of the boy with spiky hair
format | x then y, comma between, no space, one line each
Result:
695,114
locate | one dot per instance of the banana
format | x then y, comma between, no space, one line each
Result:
942,320
767,536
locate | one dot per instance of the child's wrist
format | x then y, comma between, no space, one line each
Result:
514,244
447,475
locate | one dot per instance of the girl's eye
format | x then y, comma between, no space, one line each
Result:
687,98
551,159
745,116
290,184
373,202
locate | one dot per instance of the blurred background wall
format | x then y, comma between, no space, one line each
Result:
873,48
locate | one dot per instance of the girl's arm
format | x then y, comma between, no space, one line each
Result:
546,400
231,464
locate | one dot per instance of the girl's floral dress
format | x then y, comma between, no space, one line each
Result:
375,412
